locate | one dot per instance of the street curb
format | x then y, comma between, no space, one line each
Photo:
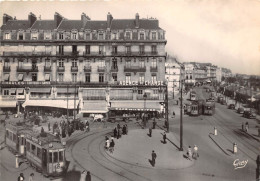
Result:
217,144
252,136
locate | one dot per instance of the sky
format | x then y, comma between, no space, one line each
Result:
225,33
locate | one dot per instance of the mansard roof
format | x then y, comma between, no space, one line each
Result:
16,25
44,25
70,24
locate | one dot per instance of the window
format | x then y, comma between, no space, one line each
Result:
61,63
61,36
61,49
87,76
50,157
190,76
115,49
6,77
128,49
47,77
141,49
101,77
155,91
7,36
39,152
140,91
141,36
154,79
48,63
101,63
114,64
20,36
114,76
128,78
74,77
101,49
55,157
141,78
47,35
154,63
34,77
60,77
127,35
114,36
74,63
141,63
6,63
153,35
34,35
33,150
27,146
100,36
34,65
60,156
6,92
20,63
74,48
74,36
87,49
154,49
128,63
87,36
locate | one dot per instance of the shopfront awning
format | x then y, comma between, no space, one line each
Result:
67,90
136,105
20,77
47,77
6,104
12,91
6,77
94,107
52,103
41,90
20,91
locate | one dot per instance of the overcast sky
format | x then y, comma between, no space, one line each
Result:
223,32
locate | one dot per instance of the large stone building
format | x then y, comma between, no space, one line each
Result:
95,66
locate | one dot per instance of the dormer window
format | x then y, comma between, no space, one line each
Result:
142,36
153,35
74,36
114,36
100,36
7,36
20,36
61,36
127,35
47,35
87,36
34,35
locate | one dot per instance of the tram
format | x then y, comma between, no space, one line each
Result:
192,95
209,108
197,108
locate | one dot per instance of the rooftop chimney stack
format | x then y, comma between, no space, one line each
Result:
84,19
109,20
137,20
6,17
57,19
31,18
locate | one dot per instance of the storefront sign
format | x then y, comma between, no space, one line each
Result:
141,83
35,140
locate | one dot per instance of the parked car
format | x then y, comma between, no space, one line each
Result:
240,110
249,114
231,106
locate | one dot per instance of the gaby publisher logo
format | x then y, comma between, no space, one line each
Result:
239,164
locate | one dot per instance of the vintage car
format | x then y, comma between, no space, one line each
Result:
231,106
249,114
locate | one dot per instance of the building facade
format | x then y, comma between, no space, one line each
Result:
110,64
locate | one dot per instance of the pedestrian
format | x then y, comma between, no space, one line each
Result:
49,126
150,131
21,177
164,137
31,177
126,129
83,175
154,123
87,126
189,153
247,126
153,158
88,177
243,126
112,145
195,154
119,133
173,114
115,133
107,144
118,126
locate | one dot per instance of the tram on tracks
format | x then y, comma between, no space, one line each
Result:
209,108
196,107
44,151
193,96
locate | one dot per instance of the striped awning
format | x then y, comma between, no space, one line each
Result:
41,90
52,103
47,77
20,77
67,90
136,105
6,77
94,107
20,91
12,91
6,104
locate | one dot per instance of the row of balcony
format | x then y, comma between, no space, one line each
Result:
77,53
75,69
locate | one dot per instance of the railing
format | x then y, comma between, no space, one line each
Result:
74,69
61,69
101,69
27,69
47,68
94,98
87,68
121,98
114,69
26,53
140,97
134,69
86,54
6,69
153,69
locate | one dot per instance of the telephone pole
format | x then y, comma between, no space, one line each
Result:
181,123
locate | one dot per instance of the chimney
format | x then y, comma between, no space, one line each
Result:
6,17
137,20
57,19
84,19
31,18
109,20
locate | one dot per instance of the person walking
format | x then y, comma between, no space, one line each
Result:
154,123
88,177
112,145
107,144
189,153
87,126
247,126
21,177
153,158
150,131
195,154
164,137
49,126
115,133
31,177
126,129
83,175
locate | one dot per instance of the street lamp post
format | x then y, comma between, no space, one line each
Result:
181,123
145,97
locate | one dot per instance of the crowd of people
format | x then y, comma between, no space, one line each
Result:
193,154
